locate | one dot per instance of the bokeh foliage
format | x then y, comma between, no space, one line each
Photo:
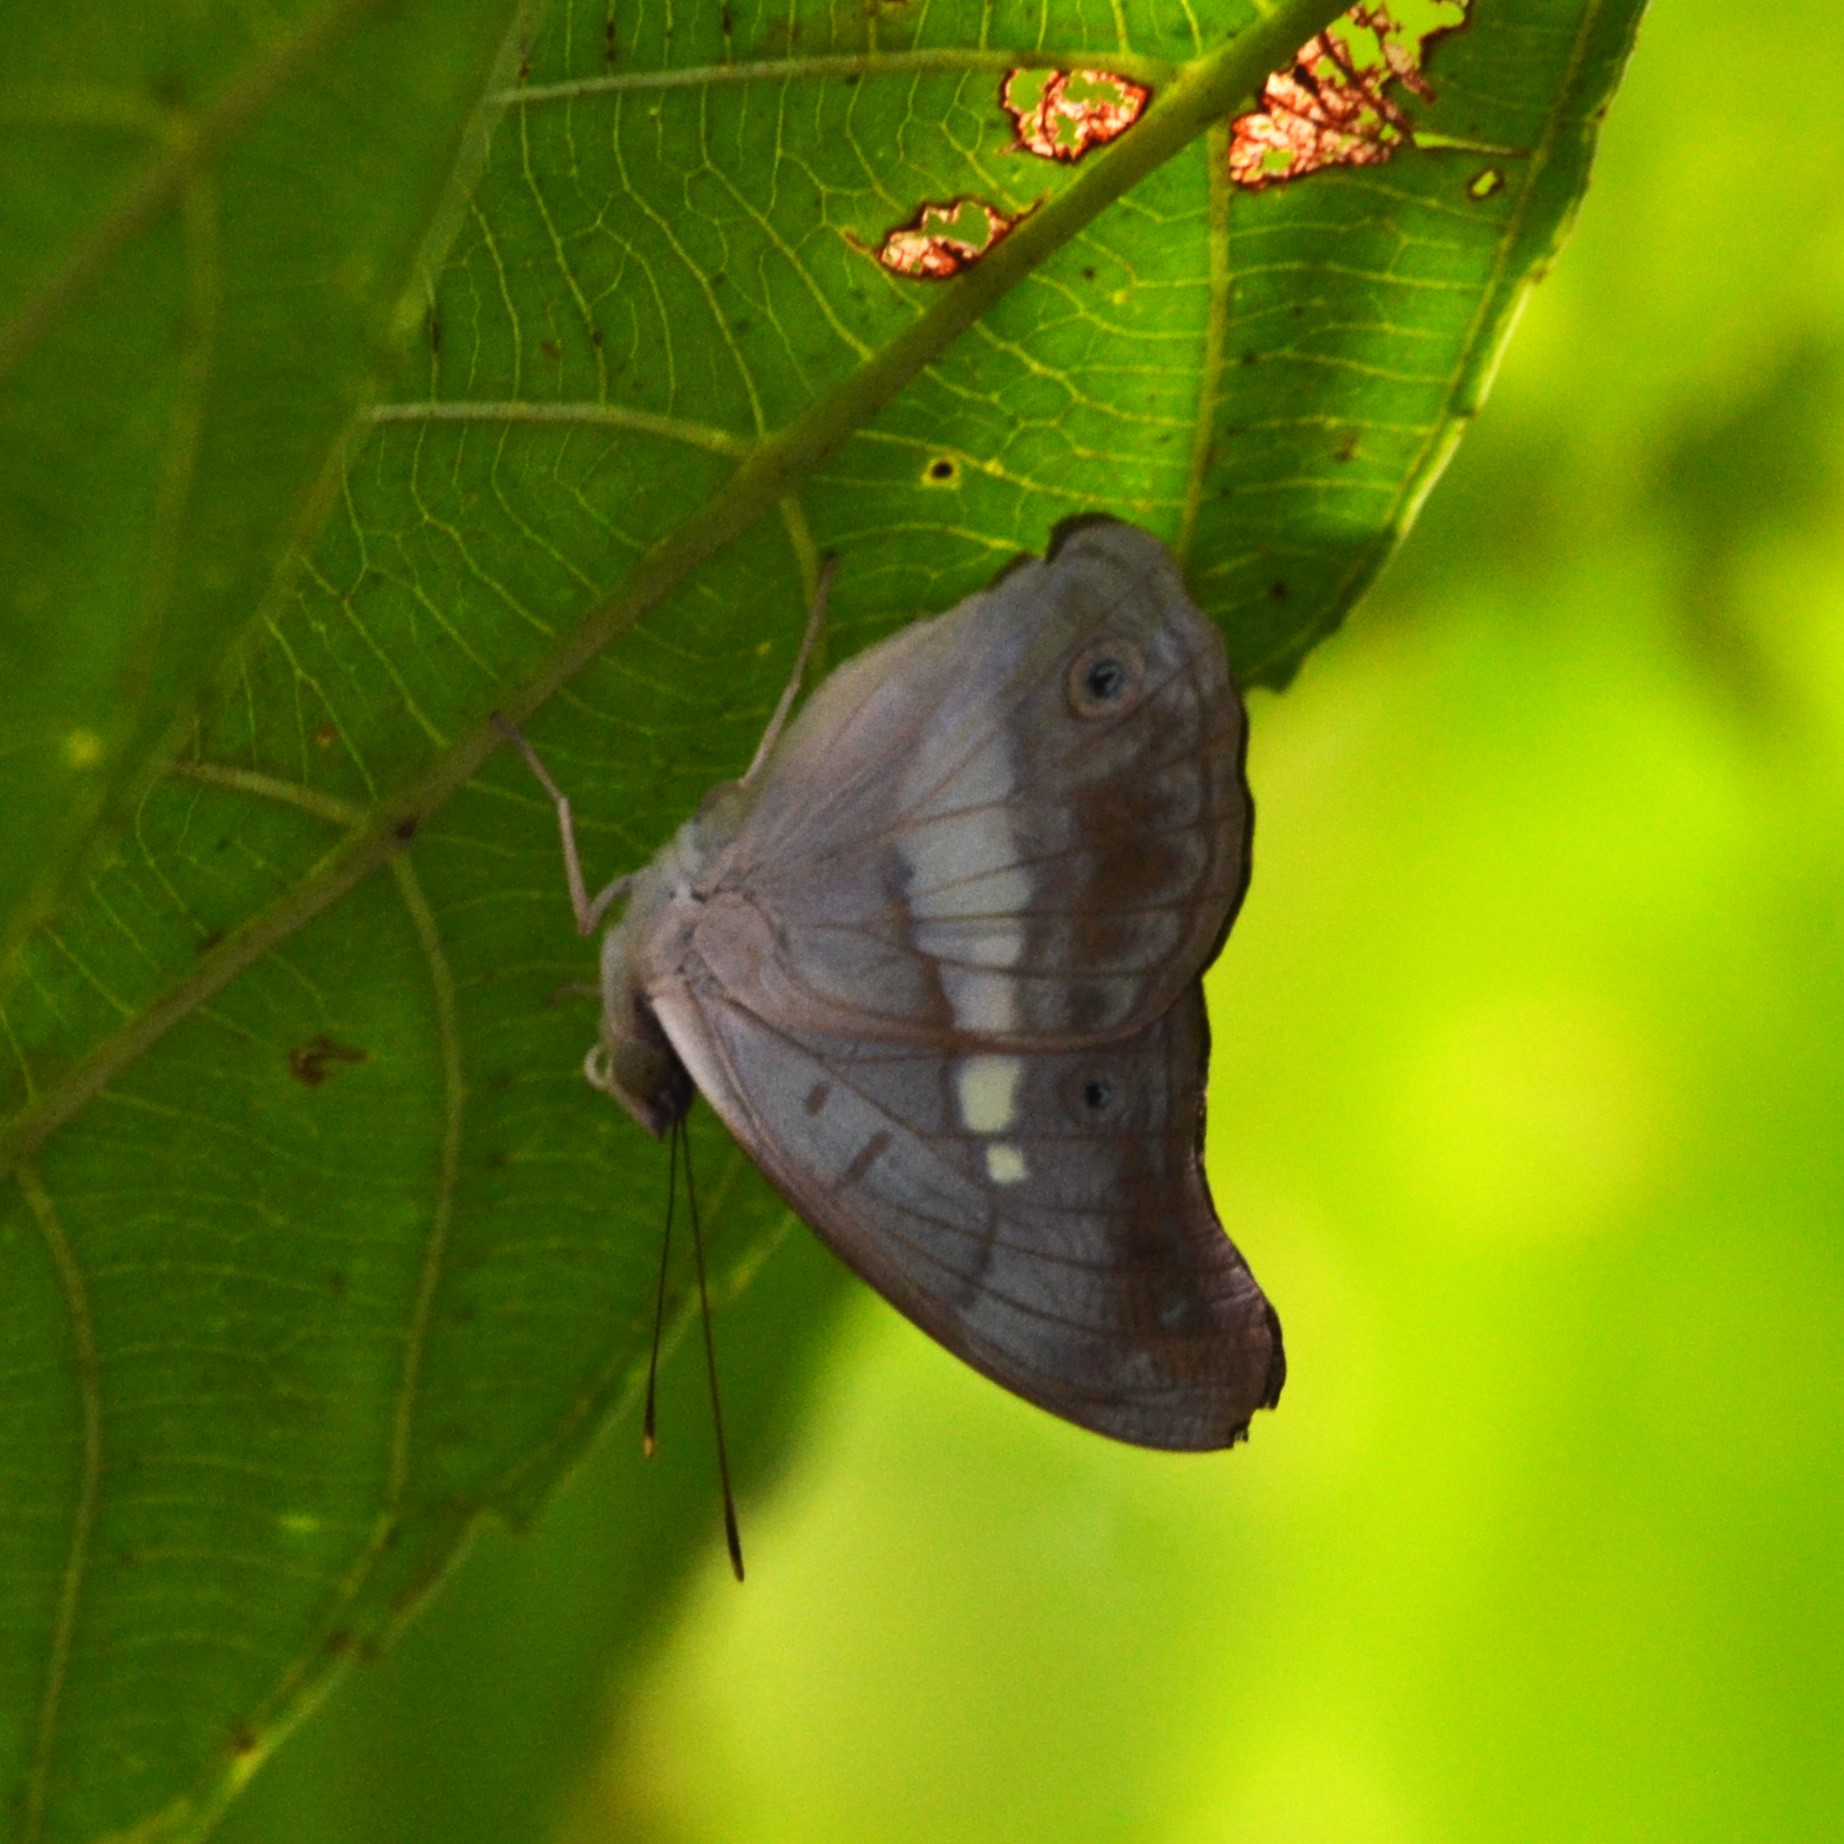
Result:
316,1247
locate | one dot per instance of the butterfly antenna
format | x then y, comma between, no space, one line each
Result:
816,619
732,1536
648,1444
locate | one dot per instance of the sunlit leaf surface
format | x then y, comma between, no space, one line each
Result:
316,1245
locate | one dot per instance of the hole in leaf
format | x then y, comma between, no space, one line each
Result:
1332,106
941,240
1061,114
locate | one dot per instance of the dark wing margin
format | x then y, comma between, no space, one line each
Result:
1043,1214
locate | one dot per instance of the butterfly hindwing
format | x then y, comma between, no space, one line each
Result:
1042,1213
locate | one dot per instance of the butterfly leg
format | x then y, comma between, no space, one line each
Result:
589,910
816,619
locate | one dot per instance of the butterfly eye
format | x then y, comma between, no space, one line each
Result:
1098,1094
1105,679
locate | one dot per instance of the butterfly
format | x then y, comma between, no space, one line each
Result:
936,962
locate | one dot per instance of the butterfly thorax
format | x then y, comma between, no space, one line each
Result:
633,1060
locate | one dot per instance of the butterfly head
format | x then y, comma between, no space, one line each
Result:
633,1062
632,1059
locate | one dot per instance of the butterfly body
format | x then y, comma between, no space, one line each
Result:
938,968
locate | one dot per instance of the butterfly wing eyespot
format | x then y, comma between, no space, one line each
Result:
1106,679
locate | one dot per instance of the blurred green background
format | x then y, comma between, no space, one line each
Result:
1526,1112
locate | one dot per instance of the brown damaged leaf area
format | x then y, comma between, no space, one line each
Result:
1333,106
1061,114
941,240
312,1062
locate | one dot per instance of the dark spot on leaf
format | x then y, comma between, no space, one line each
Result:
1250,358
1278,591
595,336
609,51
312,1062
1347,446
339,1642
943,471
325,735
1088,274
816,1096
550,348
211,941
725,24
1333,105
941,240
405,829
243,1739
1098,1094
1061,114
524,68
435,334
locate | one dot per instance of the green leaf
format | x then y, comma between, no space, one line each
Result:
316,1247
205,232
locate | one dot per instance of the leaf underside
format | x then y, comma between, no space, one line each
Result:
314,1244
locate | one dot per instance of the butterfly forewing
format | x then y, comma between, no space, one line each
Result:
1025,821
1042,1213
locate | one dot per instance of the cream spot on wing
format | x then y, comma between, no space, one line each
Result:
986,1003
966,865
964,882
988,1089
995,946
1005,1164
